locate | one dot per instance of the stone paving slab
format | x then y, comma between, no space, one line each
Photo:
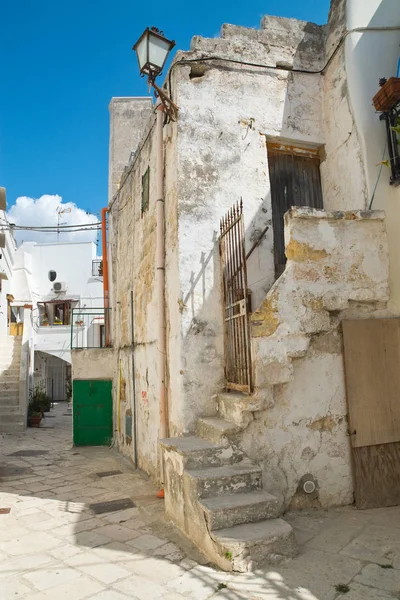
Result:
53,546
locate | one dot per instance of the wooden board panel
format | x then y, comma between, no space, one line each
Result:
372,366
377,475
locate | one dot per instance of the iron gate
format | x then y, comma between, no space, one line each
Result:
235,298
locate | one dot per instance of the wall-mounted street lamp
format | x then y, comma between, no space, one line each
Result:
152,49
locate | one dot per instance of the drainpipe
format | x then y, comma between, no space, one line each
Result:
160,269
104,211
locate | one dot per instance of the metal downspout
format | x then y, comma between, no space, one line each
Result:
160,271
104,212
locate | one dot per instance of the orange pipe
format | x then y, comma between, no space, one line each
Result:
104,212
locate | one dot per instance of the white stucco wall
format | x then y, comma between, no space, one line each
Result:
370,56
6,267
73,265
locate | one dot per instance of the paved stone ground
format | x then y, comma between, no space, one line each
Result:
53,547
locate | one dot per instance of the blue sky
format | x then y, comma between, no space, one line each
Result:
60,64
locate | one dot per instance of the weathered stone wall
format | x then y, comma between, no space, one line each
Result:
337,268
128,120
133,245
342,170
227,113
94,363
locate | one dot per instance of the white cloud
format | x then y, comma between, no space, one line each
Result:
43,211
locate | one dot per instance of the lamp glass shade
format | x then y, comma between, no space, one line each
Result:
152,50
158,51
141,51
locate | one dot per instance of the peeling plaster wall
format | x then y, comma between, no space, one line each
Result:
128,118
230,112
133,245
342,171
337,268
133,268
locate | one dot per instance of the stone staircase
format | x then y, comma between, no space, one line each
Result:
12,418
214,493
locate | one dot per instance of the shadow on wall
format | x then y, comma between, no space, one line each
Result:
208,332
298,118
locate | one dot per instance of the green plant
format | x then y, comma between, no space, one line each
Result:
228,555
221,586
39,401
386,566
68,388
342,588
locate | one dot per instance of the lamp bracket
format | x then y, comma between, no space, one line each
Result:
170,107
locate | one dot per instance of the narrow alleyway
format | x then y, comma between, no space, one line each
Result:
55,544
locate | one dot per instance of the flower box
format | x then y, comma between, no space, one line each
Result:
388,95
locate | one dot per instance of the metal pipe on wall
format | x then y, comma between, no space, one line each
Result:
133,383
160,270
104,212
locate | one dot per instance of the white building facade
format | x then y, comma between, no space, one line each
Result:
60,280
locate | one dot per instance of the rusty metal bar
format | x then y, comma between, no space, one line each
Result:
235,294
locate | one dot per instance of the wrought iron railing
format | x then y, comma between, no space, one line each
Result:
235,297
89,327
97,268
392,121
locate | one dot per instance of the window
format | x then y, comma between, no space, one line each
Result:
55,313
145,190
52,275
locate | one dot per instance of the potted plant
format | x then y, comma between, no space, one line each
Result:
79,323
57,321
34,419
39,402
101,269
388,95
45,320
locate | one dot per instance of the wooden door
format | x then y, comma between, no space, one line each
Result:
295,181
372,367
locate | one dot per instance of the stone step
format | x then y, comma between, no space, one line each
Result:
9,408
7,363
7,392
197,453
217,431
8,395
13,427
227,511
9,372
227,479
9,375
11,417
10,347
9,386
249,545
238,408
10,342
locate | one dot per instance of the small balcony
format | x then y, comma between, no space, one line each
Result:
89,328
97,268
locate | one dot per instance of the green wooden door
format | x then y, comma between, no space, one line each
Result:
92,412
